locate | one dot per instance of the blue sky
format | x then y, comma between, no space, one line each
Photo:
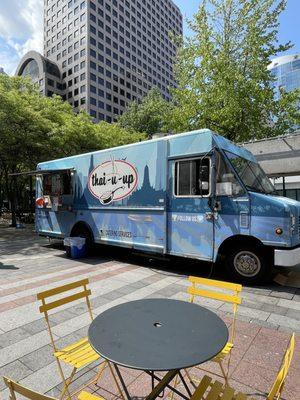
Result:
21,27
289,21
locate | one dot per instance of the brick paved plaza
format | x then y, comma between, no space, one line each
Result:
28,265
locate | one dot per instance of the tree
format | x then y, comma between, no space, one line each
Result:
222,71
34,128
147,116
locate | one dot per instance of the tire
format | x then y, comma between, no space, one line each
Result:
249,264
84,232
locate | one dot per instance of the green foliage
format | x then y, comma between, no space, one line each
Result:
223,80
148,116
34,128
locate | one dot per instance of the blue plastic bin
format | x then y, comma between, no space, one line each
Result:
75,247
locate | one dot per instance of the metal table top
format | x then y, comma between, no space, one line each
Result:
158,334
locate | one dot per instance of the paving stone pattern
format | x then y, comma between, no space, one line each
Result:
28,264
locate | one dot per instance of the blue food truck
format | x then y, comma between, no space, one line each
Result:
194,195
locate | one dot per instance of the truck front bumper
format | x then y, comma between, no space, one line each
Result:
287,258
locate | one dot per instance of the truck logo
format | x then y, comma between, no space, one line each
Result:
112,181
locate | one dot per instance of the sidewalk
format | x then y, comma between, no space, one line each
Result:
28,265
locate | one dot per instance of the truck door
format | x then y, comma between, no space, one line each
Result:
190,218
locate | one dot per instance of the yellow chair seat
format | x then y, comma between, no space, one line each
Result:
78,354
223,353
89,396
208,389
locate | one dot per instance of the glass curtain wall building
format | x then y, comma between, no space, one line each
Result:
286,70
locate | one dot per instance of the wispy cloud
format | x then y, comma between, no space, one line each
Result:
21,30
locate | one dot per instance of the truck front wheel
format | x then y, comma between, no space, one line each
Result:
249,264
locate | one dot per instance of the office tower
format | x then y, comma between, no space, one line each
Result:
286,71
110,52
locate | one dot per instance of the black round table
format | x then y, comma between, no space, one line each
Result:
158,335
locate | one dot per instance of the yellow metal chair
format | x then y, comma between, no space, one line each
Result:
79,354
16,388
208,390
278,385
232,296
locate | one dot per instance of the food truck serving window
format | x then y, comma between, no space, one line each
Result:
192,177
57,184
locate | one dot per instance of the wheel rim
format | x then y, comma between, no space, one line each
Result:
247,263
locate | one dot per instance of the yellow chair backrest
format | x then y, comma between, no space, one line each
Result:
278,385
232,297
222,291
82,292
15,387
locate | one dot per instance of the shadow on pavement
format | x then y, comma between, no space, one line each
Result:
167,266
3,266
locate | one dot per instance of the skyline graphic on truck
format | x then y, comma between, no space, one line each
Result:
112,181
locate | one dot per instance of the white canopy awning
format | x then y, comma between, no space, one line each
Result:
278,156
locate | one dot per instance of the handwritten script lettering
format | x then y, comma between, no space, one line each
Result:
112,181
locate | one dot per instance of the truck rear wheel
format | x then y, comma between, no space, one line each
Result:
249,264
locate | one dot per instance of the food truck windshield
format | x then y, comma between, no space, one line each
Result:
251,174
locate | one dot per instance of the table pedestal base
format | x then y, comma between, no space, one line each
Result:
160,387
